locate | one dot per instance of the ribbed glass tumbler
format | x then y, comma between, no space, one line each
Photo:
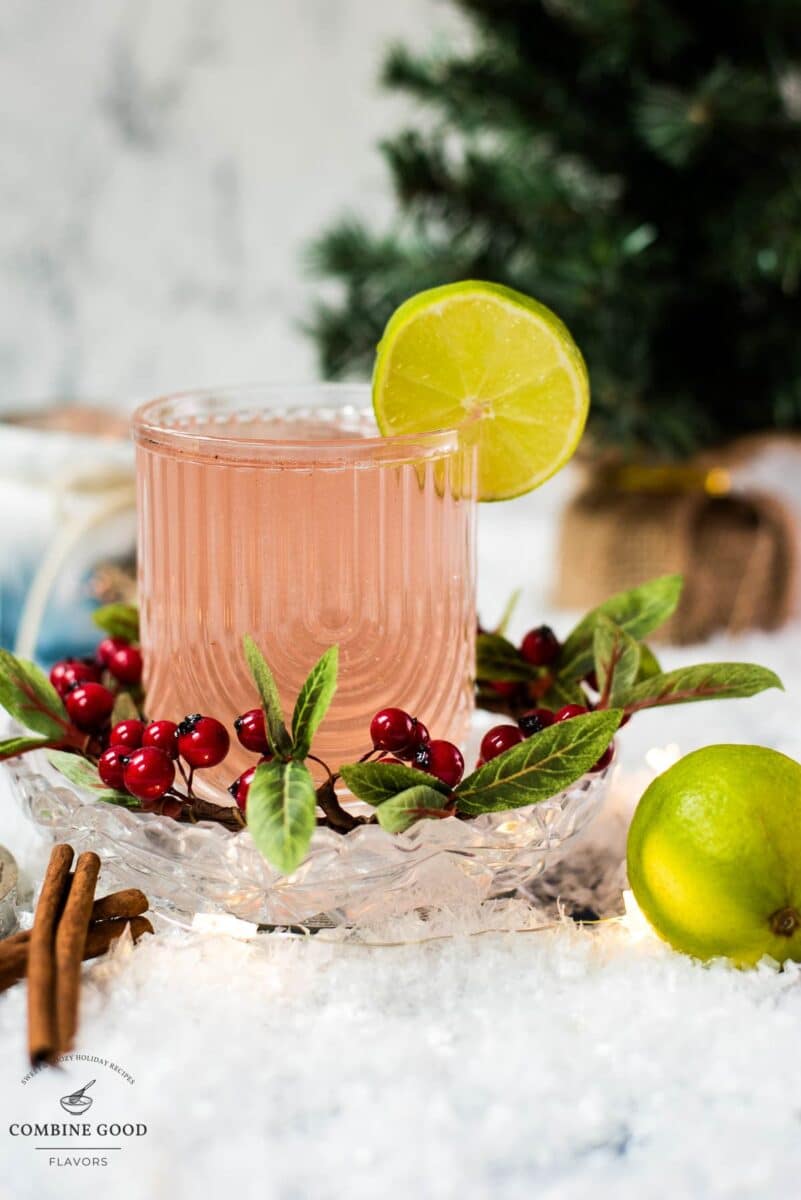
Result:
282,513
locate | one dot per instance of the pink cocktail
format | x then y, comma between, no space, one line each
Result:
281,512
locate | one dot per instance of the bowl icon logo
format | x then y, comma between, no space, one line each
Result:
78,1103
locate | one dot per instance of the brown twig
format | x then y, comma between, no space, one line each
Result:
70,944
229,815
42,1037
338,818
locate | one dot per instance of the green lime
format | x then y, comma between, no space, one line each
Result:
483,354
714,854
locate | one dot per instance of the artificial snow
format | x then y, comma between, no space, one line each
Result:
563,1063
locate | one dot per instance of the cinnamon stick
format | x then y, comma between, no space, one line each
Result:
14,954
70,944
42,1037
130,902
100,937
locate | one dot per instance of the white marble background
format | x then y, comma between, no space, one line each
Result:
163,164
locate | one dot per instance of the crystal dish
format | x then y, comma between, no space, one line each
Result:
362,877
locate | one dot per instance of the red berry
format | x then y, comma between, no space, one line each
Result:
108,648
503,687
149,773
571,710
480,762
161,734
540,646
125,664
392,729
498,739
69,671
535,719
202,741
605,759
251,731
89,706
127,733
420,737
111,766
240,787
442,759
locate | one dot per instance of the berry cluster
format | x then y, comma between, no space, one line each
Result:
503,737
136,756
251,730
539,648
394,732
141,757
86,685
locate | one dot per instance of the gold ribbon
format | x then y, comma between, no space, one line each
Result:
668,479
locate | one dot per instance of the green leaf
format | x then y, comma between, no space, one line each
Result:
122,799
313,700
281,812
508,612
708,681
118,620
539,767
76,768
20,745
277,732
409,807
638,612
28,695
649,663
377,782
562,692
125,709
83,774
497,658
617,660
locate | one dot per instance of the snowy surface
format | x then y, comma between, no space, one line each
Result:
556,1064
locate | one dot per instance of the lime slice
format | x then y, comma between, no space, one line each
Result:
485,356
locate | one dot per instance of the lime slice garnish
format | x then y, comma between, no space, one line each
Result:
485,356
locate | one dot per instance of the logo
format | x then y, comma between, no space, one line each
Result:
78,1102
54,1130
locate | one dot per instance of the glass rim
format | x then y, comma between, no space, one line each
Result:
151,427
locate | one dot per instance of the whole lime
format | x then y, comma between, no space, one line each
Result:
714,854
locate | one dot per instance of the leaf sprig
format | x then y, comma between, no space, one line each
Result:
606,647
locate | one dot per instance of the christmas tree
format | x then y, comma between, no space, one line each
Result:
636,165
